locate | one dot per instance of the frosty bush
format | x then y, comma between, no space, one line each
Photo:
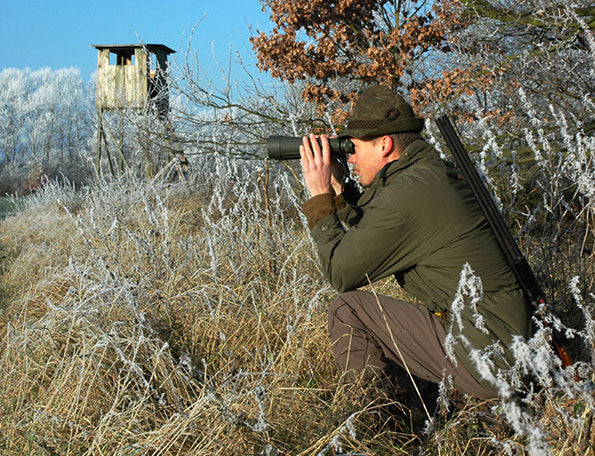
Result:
543,179
536,383
160,316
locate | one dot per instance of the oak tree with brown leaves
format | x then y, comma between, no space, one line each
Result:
336,47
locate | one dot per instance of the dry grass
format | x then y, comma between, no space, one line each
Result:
147,320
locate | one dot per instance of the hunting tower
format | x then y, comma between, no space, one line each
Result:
132,77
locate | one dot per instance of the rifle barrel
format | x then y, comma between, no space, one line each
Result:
519,264
515,257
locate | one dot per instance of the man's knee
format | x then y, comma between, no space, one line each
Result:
335,305
341,309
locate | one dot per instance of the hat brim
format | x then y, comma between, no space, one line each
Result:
407,125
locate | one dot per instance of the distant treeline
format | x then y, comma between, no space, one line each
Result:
47,119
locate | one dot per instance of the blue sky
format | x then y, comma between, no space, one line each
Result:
58,33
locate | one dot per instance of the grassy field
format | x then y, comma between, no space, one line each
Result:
191,319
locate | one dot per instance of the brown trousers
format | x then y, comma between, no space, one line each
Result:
364,334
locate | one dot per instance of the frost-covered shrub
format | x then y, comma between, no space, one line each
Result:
543,180
536,393
162,315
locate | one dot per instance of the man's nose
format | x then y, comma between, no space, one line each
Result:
351,158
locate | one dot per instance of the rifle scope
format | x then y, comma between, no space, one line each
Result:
288,147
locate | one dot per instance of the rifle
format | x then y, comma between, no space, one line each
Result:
519,264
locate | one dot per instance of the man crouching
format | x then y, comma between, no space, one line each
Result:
416,223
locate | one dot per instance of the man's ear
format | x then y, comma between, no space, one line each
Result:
387,145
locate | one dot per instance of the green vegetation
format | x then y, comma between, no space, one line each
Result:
6,206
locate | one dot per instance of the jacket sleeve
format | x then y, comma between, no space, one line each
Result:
379,245
324,204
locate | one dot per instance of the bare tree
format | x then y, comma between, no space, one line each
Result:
545,47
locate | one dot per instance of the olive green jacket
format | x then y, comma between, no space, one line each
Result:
422,226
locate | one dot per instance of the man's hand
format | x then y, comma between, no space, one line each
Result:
322,172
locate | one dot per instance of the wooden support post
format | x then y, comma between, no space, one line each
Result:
98,147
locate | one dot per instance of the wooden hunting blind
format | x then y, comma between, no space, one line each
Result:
132,76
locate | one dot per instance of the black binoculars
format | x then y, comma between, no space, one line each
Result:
288,147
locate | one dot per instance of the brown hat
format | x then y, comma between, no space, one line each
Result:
380,111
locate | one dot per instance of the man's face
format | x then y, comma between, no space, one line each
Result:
368,159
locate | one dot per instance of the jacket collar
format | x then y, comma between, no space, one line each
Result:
411,154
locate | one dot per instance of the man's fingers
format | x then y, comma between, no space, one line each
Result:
315,158
316,152
314,142
313,152
326,149
321,149
306,152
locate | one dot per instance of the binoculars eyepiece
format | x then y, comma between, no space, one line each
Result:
288,147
